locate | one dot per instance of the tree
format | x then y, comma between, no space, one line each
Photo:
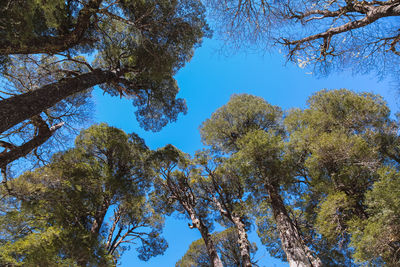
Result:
327,35
138,47
224,190
61,209
250,130
227,246
341,140
174,192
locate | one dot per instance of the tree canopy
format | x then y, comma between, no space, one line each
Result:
135,50
58,213
314,171
319,183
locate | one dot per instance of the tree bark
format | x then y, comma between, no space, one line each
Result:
371,11
298,254
18,108
243,241
211,250
99,217
17,152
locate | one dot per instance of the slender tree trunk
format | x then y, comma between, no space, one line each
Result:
99,218
211,250
243,241
298,254
17,152
18,108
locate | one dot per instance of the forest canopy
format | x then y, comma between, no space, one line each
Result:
319,185
337,159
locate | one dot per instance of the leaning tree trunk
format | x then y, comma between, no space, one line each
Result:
16,152
297,253
19,108
243,241
205,234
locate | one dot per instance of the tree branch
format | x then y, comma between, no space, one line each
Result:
16,152
373,13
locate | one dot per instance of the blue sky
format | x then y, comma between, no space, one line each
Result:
207,83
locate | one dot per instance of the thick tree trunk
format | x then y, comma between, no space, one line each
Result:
243,241
211,250
298,254
18,108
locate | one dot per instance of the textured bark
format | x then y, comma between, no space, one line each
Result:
116,219
243,241
18,108
54,44
205,234
17,152
298,254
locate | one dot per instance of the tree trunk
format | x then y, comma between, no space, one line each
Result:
211,250
243,241
99,217
18,108
298,254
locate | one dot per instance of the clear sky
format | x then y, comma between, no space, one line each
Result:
207,83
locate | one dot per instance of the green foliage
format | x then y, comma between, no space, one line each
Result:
332,168
334,210
62,49
24,20
243,114
221,184
196,255
174,185
64,204
137,47
267,231
250,128
338,140
377,239
156,49
324,160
